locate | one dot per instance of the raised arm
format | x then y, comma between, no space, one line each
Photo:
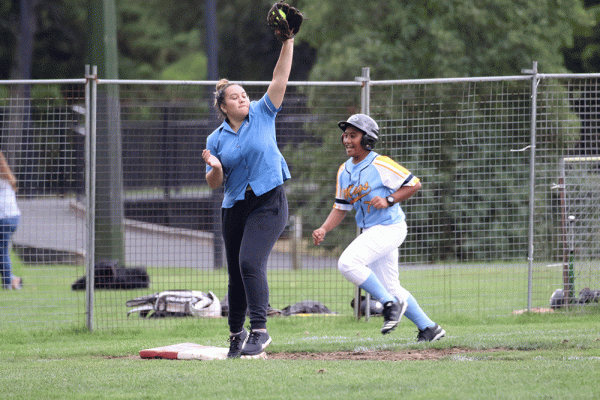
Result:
281,73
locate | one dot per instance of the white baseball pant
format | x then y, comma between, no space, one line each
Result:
376,250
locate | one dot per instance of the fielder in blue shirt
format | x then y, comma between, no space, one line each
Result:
242,155
374,185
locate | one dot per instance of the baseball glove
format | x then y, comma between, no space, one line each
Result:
284,20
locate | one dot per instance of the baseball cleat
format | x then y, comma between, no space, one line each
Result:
430,334
256,343
392,312
236,343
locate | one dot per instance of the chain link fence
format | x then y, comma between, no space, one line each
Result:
111,183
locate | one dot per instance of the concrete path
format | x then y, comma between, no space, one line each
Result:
55,227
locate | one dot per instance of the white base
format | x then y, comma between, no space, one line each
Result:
192,351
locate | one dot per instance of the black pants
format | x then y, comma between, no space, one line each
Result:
250,229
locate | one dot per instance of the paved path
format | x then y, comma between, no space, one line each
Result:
57,225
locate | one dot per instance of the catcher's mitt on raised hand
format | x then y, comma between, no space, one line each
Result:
284,20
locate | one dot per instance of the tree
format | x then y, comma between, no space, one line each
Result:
584,55
160,41
38,36
411,39
35,36
451,39
427,39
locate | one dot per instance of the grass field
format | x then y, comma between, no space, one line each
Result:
492,289
489,353
537,356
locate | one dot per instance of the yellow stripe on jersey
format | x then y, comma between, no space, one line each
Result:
392,165
338,190
395,168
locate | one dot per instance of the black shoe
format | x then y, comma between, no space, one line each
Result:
430,334
392,312
236,343
256,344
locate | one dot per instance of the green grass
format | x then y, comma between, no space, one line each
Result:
541,357
46,351
493,289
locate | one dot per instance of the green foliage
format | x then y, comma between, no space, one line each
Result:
313,186
58,38
417,39
315,162
151,39
584,54
410,39
464,140
190,67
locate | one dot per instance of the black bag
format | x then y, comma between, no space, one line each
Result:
376,308
587,296
306,307
111,275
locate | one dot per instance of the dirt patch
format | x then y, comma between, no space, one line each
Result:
370,355
381,355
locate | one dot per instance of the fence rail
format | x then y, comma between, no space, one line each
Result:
111,170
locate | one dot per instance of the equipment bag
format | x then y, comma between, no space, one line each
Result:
176,303
110,274
375,308
306,307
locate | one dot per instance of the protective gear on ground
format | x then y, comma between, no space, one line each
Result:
176,303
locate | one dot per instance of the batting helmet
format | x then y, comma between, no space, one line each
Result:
366,125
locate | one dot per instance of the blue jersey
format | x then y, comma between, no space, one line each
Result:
249,156
376,175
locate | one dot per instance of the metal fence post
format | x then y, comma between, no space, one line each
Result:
365,105
90,188
534,86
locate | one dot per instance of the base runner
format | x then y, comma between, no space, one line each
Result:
374,185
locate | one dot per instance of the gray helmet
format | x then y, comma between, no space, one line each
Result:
366,125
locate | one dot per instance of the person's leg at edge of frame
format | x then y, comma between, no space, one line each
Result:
5,266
